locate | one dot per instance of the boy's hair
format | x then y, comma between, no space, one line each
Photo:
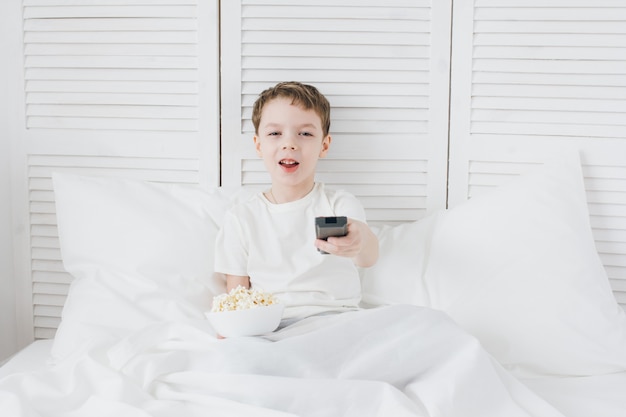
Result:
303,95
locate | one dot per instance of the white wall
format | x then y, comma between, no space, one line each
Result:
8,335
8,328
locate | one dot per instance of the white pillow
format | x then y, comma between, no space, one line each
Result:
517,267
139,252
403,255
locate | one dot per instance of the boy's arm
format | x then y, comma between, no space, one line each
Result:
232,281
360,244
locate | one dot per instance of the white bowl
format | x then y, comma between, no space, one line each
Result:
249,322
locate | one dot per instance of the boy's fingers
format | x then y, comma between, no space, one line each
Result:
325,246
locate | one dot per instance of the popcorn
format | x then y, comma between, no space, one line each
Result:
241,298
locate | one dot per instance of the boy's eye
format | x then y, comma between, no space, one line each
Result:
273,134
306,134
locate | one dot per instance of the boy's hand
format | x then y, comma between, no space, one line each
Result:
360,244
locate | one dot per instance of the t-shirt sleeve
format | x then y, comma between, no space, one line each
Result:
231,252
346,204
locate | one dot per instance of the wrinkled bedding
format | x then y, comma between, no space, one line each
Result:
389,361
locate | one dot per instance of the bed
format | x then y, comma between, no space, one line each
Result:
496,307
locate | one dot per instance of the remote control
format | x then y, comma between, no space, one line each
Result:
326,227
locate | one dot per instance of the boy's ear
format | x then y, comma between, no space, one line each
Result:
325,146
257,145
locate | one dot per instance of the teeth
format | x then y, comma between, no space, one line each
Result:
288,162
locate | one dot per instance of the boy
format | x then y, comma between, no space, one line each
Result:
269,241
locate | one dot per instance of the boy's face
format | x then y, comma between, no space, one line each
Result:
290,140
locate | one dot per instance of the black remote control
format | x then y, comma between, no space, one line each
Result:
326,227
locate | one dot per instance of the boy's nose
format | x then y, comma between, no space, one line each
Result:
289,144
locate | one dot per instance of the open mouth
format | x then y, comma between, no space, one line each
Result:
288,163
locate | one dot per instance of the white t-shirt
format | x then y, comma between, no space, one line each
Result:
273,244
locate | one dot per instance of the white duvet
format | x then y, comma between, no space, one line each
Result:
389,361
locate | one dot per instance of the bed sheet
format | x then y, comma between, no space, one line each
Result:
585,396
601,395
33,357
416,363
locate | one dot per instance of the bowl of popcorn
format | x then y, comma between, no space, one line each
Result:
245,312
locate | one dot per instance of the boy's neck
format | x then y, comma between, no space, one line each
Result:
278,195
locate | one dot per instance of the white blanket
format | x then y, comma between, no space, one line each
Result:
390,361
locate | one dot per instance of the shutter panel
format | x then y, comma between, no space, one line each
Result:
94,66
530,78
384,69
605,179
111,89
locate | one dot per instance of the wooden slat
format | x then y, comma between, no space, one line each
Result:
304,23
108,2
320,13
108,24
179,87
396,3
112,74
106,11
